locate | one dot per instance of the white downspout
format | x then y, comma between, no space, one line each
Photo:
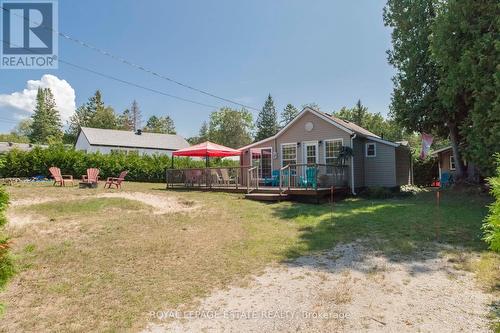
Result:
352,164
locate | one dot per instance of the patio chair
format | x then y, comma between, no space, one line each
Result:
116,181
225,178
60,179
92,176
310,179
446,179
274,180
285,174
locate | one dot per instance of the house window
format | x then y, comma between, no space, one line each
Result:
332,151
371,149
288,154
452,162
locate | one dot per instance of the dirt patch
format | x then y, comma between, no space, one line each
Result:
162,204
346,289
19,220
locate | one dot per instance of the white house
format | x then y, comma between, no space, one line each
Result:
107,140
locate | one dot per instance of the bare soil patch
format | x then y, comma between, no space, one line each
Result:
346,289
162,204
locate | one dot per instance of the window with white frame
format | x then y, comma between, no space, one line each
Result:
452,162
332,151
371,149
288,154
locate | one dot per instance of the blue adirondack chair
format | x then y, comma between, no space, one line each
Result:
274,180
285,176
446,179
310,179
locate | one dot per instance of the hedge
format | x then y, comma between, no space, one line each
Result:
6,263
492,222
36,162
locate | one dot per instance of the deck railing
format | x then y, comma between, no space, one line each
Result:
313,176
306,176
234,177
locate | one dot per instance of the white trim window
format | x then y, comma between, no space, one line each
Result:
332,151
288,154
452,162
371,149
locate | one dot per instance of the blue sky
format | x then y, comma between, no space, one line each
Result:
328,52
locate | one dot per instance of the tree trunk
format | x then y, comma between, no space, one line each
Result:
455,140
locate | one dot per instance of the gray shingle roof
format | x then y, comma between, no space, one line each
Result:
7,146
352,126
117,138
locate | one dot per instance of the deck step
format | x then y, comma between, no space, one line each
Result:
266,196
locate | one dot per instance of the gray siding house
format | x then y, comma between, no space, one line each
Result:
106,141
315,137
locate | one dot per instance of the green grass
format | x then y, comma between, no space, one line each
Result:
103,263
393,225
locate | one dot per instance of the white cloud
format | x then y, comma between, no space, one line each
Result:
25,100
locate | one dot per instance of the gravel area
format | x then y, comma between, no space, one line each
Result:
347,289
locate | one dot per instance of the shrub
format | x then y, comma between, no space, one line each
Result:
491,224
18,163
425,171
378,192
6,264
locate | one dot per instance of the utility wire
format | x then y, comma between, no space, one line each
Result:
132,64
130,83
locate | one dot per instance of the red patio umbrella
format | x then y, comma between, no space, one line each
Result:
206,149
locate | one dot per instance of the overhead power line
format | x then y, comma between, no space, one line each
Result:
130,83
132,64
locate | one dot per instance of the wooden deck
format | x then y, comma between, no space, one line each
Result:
269,193
297,181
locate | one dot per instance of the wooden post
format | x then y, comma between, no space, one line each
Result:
438,214
331,205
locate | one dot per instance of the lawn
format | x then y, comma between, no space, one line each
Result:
104,263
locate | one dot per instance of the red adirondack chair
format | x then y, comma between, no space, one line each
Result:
60,179
116,181
92,176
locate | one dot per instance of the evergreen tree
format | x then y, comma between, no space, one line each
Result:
288,114
125,121
465,46
46,125
415,103
84,116
267,120
163,125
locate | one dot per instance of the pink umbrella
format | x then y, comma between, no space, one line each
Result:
206,149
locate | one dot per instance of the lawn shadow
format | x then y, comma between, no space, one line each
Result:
410,231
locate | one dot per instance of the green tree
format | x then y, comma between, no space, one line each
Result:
416,104
230,127
373,122
202,136
104,118
288,114
312,105
125,121
23,128
267,120
163,125
93,114
46,126
465,46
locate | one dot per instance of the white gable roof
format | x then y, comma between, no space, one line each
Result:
117,138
